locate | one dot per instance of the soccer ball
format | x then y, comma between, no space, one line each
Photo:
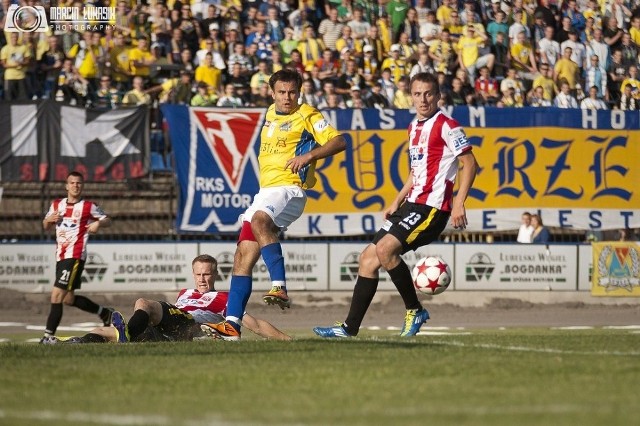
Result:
431,275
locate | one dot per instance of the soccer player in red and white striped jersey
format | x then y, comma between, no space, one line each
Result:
420,212
73,218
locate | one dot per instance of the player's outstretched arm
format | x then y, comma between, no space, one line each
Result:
334,146
263,328
467,175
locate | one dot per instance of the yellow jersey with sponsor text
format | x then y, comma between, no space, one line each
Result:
285,136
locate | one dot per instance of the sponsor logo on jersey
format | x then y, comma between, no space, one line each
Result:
458,138
320,125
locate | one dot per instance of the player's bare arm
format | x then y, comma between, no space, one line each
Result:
50,221
334,146
102,223
395,204
467,175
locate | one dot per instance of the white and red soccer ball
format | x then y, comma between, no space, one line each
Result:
431,275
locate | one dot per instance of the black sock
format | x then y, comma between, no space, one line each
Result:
53,321
401,277
138,323
93,338
86,304
363,293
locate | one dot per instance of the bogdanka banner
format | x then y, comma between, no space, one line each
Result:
577,168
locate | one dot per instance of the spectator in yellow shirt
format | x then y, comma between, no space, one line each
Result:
469,57
208,74
566,69
397,66
15,57
140,58
85,54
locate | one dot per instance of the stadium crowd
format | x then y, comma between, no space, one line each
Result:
351,53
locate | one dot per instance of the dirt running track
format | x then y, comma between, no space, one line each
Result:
471,310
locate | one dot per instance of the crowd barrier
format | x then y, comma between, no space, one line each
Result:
145,267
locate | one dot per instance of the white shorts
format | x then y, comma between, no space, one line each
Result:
284,204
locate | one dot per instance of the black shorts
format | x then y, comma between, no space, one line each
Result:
176,325
69,274
414,225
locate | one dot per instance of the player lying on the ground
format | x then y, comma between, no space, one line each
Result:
154,321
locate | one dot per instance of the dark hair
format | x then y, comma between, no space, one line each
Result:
286,75
75,174
426,77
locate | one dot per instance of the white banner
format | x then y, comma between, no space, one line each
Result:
305,263
27,267
515,267
343,263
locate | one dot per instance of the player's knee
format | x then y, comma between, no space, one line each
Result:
142,304
261,223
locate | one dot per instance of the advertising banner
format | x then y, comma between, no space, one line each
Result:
616,269
45,140
306,266
27,267
577,169
343,264
515,267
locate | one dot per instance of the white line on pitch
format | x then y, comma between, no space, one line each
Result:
533,349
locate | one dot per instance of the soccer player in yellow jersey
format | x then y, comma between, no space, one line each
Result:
293,137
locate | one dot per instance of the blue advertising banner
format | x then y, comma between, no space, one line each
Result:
576,168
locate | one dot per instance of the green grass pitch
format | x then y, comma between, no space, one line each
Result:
484,377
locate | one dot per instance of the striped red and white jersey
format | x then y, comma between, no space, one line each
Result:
71,231
203,307
434,145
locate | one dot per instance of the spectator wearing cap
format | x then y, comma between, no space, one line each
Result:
430,31
469,47
217,43
395,63
578,49
369,65
310,48
203,98
537,30
159,58
373,41
330,29
207,73
358,25
355,100
288,44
